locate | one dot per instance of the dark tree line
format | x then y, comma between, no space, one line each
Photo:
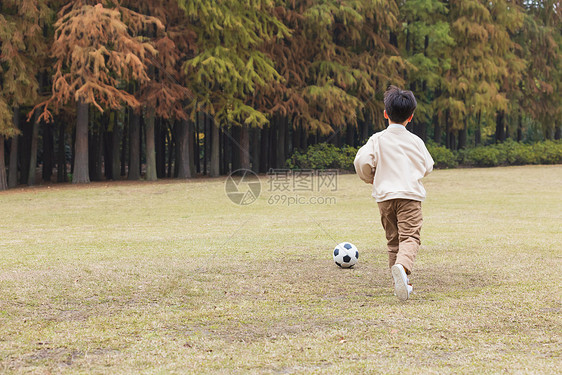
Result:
111,89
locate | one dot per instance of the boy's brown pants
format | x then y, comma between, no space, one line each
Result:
402,220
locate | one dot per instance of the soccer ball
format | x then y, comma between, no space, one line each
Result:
346,255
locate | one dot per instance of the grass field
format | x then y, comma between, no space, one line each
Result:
171,277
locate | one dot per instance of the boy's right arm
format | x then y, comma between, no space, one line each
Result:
365,161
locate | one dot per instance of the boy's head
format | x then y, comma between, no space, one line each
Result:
399,105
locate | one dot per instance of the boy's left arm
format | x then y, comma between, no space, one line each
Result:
428,161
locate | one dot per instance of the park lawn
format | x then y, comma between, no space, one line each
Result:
171,277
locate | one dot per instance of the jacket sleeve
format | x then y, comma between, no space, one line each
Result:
365,161
428,161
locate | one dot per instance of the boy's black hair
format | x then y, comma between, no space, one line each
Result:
399,104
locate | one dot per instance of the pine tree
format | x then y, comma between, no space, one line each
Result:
228,66
94,52
22,56
426,42
481,60
165,95
540,88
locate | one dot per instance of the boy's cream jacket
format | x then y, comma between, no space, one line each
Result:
394,161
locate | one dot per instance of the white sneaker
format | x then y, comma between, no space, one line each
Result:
402,289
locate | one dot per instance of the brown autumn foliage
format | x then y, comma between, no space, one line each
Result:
95,52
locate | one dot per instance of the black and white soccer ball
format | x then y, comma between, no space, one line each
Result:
346,255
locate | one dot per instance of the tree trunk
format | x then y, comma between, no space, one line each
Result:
520,129
48,145
124,144
244,148
150,146
215,148
296,138
281,143
108,149
160,148
206,145
13,167
273,144
304,138
116,137
255,148
24,151
549,133
393,39
437,130
463,135
166,144
478,132
99,154
33,150
196,146
447,131
235,151
264,149
171,138
364,131
142,143
500,128
336,138
183,134
557,131
61,163
96,153
81,173
223,165
72,147
452,142
3,177
407,40
350,135
190,147
287,147
134,146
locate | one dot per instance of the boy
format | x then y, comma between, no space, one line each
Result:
394,161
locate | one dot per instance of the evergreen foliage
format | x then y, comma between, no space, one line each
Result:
224,84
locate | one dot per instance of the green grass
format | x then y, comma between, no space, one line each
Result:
171,277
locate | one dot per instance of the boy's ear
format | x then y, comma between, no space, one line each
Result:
411,117
385,114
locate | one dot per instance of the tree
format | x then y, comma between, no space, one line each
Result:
22,56
541,84
426,42
229,66
94,53
481,59
165,96
333,63
6,129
